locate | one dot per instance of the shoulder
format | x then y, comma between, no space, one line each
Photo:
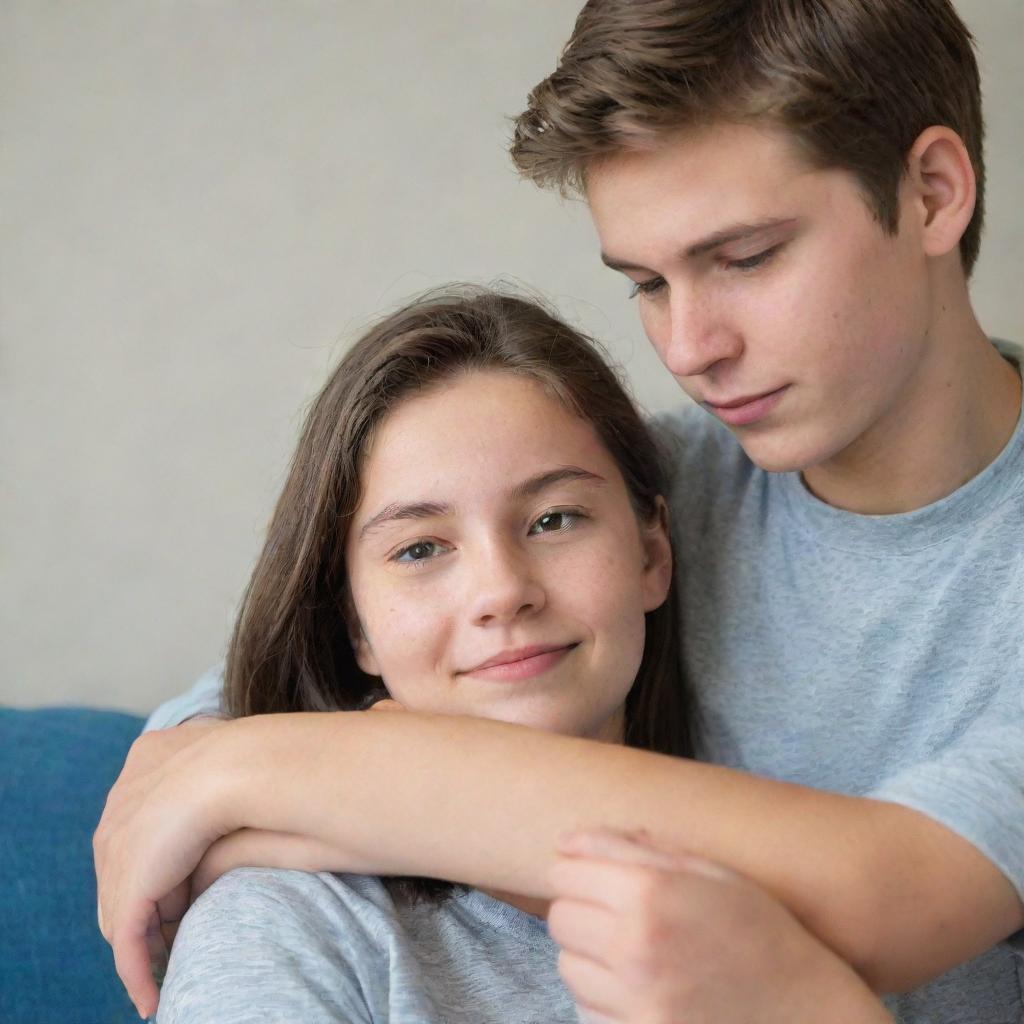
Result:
264,941
293,900
705,465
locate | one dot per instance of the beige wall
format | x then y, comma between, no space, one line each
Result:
202,201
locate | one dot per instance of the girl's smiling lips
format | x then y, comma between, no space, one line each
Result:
520,663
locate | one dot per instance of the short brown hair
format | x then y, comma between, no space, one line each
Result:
855,82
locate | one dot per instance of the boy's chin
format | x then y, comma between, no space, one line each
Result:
783,452
774,460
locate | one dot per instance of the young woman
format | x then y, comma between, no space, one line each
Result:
458,533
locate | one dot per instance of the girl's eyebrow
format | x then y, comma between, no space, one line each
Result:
541,481
394,512
529,488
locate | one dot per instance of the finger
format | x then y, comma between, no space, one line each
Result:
626,889
592,1016
602,883
172,907
596,989
132,959
584,929
613,844
638,847
157,949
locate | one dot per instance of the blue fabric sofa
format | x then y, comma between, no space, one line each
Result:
56,767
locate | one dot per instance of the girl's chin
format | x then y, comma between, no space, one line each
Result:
609,731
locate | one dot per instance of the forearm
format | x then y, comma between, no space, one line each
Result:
484,803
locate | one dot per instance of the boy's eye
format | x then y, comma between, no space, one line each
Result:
420,551
554,522
655,284
753,262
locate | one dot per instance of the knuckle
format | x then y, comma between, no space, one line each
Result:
644,946
559,915
141,745
560,874
647,891
569,968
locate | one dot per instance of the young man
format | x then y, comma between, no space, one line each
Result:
795,190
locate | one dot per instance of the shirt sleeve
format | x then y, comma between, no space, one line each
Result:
975,786
204,698
264,945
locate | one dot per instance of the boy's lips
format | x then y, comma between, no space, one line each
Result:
741,412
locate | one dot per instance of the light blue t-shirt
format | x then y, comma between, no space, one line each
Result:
876,656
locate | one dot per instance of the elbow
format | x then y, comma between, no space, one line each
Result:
884,930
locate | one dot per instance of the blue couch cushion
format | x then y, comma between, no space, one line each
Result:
56,767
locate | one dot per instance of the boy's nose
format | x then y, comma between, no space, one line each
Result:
697,337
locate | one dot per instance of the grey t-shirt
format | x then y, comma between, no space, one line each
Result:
284,947
877,656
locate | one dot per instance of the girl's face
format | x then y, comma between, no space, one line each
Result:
496,565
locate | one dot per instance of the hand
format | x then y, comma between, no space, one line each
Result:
249,847
246,848
655,936
142,863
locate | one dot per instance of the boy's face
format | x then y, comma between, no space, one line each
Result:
769,291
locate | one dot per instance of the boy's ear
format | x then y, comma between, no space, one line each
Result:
657,547
365,658
945,188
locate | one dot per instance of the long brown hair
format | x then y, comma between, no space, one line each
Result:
290,650
854,82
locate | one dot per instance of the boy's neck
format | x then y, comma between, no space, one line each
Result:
963,409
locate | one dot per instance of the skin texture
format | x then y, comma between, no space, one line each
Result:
480,570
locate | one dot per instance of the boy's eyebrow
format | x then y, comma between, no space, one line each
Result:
732,233
529,488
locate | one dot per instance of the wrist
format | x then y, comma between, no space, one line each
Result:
228,764
255,765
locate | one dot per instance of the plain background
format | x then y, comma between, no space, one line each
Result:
203,202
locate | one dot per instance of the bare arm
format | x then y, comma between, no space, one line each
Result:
898,896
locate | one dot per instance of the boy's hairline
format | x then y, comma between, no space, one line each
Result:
658,139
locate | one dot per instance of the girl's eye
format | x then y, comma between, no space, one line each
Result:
755,261
655,284
420,551
555,522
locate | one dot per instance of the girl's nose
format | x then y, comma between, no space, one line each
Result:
505,587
